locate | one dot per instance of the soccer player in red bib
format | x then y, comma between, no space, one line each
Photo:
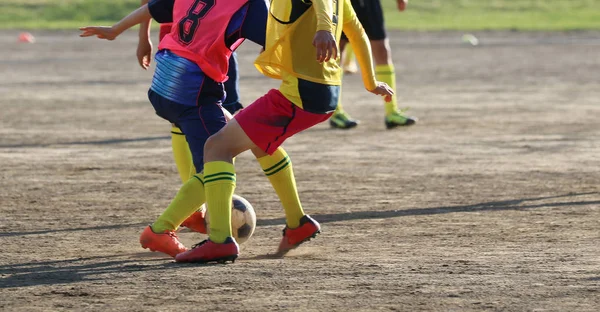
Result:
301,50
181,151
187,87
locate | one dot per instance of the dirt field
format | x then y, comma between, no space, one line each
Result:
491,202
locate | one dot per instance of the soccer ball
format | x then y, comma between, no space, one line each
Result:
243,219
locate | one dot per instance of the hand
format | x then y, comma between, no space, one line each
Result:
102,32
144,53
402,4
384,90
326,46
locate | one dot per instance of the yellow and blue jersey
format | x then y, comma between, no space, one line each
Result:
290,56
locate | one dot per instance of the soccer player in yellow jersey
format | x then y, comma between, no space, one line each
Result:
370,15
301,50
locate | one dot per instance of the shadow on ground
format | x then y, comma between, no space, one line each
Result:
517,204
102,267
98,142
79,269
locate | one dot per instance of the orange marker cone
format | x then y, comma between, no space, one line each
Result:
26,37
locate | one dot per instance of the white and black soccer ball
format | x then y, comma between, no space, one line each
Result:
243,219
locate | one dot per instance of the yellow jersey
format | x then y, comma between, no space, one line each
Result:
290,56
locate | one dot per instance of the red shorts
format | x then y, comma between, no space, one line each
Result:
165,29
271,119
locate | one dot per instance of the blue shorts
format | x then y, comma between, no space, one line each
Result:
182,81
184,96
198,123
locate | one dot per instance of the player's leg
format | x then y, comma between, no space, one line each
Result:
251,129
160,236
198,122
276,164
348,60
385,72
340,118
181,154
219,185
232,87
299,226
277,167
181,150
384,66
196,222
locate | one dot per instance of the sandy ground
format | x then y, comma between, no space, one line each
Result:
490,203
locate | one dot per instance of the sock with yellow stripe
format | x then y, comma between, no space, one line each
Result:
219,184
386,73
339,108
278,168
182,155
189,198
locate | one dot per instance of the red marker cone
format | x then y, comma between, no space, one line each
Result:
26,37
402,4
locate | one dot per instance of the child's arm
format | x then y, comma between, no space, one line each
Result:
110,33
160,10
144,48
362,49
324,39
255,24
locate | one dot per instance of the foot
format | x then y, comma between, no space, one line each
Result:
196,222
292,238
207,251
166,242
398,118
342,120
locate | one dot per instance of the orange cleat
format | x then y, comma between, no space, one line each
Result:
207,251
196,222
292,238
167,242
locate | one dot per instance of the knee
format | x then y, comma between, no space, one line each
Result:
381,52
216,148
212,144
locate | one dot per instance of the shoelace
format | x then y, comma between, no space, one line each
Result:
173,234
401,111
200,244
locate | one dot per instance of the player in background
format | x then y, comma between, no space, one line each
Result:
181,151
370,15
348,60
301,50
187,87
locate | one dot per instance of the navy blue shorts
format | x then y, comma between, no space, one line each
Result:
370,15
198,123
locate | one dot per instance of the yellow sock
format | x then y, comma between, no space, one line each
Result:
189,198
278,168
387,74
219,184
339,109
182,155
